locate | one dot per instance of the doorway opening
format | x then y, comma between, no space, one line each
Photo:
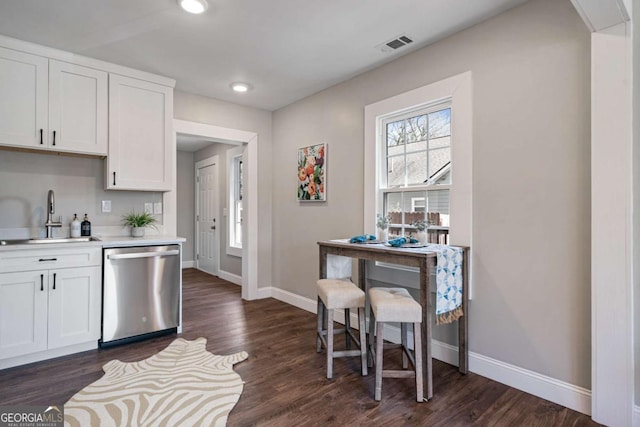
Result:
225,137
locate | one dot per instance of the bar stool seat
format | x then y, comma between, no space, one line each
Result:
396,305
340,294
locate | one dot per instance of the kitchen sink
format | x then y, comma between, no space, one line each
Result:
48,240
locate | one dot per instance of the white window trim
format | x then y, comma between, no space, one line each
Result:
458,91
232,154
414,203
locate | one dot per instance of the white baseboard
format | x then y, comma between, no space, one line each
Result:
188,264
264,292
47,354
635,419
560,392
294,299
444,352
230,277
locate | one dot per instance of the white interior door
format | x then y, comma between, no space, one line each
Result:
207,223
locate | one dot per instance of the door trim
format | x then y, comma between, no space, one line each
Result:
250,249
209,161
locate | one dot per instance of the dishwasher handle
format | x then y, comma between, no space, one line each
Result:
143,255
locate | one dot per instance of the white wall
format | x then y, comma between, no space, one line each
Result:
219,113
611,229
531,236
635,33
185,193
636,191
78,182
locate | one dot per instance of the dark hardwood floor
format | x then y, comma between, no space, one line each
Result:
284,377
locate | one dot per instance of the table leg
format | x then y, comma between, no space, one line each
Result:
323,263
362,284
426,267
362,274
463,321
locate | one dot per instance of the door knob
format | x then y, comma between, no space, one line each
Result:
213,227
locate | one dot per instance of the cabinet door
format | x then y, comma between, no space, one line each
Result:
23,313
141,154
23,99
77,108
74,306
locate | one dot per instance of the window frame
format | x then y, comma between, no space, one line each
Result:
234,247
382,187
457,90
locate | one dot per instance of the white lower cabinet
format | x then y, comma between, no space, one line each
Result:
45,312
23,313
74,306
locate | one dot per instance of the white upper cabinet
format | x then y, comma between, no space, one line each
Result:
51,100
78,110
140,132
23,99
52,105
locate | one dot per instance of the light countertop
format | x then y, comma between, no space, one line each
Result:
101,241
118,241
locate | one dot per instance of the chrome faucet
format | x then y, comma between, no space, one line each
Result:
51,208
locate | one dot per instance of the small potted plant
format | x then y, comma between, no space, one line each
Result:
382,222
422,226
138,222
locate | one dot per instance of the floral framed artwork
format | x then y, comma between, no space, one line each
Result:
312,176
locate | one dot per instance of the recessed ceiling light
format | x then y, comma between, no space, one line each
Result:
240,87
194,6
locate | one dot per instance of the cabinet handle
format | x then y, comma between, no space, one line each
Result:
40,136
54,281
114,178
42,282
54,137
47,259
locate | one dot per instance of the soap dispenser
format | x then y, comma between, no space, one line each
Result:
85,227
75,226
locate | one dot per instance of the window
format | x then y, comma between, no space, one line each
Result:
418,164
415,171
234,235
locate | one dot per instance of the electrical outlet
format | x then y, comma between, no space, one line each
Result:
157,208
148,208
106,206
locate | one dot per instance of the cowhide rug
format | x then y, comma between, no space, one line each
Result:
183,385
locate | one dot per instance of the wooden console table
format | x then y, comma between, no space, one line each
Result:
426,262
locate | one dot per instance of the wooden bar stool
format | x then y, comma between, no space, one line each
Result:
396,305
340,294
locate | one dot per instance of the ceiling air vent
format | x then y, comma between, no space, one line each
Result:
395,43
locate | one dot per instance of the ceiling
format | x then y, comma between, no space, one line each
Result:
286,49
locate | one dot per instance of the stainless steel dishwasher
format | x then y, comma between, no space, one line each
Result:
141,292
